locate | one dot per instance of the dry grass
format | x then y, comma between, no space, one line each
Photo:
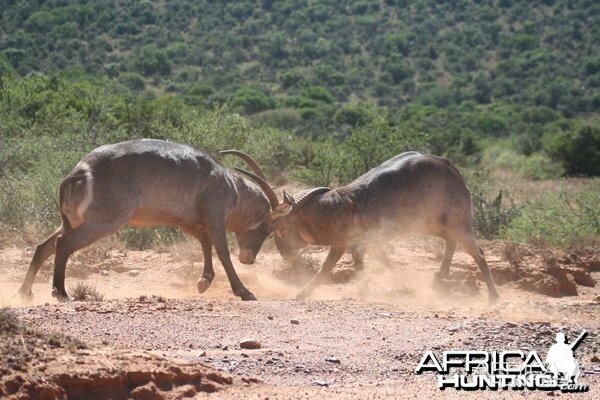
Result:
522,190
85,292
9,323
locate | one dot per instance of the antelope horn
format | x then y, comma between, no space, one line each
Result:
249,160
264,185
309,195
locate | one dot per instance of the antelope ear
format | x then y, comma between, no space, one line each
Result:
281,210
288,198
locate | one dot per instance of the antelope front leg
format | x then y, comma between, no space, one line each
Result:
208,273
335,253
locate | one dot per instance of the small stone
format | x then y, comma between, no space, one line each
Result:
595,359
103,272
321,383
294,322
245,355
134,272
250,344
270,318
203,354
333,360
225,348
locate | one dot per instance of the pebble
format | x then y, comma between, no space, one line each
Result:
103,272
595,359
333,360
294,322
270,318
321,383
134,272
250,344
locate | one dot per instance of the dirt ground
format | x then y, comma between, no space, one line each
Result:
360,336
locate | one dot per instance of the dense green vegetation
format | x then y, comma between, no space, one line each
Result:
270,54
317,91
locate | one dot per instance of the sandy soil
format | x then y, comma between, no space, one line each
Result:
360,336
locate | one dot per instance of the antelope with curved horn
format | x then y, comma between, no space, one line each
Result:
156,183
410,193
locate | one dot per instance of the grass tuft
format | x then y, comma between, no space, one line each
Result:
85,292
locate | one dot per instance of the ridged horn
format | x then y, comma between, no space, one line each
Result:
264,185
309,195
249,160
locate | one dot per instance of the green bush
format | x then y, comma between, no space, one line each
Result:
535,166
558,219
251,101
493,210
577,148
46,126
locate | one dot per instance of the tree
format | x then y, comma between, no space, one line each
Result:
251,101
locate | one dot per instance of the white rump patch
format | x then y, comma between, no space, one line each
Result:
89,189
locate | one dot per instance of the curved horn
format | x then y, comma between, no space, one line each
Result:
264,185
309,195
249,160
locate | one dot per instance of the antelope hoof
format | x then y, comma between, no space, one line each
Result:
202,285
493,298
248,296
439,276
61,296
26,296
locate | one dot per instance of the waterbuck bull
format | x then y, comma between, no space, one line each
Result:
156,183
410,193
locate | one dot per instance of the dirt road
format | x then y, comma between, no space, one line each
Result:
362,338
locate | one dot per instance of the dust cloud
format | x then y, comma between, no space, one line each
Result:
399,272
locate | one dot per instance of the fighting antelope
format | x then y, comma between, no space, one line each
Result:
156,183
410,193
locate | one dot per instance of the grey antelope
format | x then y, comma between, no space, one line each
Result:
410,193
156,183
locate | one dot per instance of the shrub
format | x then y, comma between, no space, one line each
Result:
133,81
491,214
149,238
321,167
252,101
558,219
578,148
85,292
9,323
535,166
